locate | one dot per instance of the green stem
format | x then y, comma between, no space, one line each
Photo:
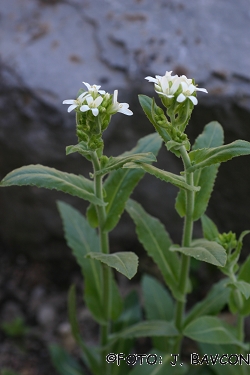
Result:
104,242
186,241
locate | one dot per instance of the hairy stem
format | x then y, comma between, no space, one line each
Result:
186,241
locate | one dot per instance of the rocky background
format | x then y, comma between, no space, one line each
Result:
48,47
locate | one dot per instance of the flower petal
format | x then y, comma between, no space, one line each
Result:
95,111
200,89
71,107
181,98
68,101
193,99
84,108
151,79
98,101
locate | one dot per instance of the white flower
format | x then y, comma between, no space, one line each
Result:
166,85
119,107
92,104
187,92
94,89
75,102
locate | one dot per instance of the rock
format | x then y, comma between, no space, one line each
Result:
49,47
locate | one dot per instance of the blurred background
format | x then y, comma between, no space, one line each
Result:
47,48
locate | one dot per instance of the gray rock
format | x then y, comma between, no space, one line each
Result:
49,47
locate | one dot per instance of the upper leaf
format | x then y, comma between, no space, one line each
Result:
206,251
124,262
209,229
51,178
208,156
212,136
120,183
174,179
117,162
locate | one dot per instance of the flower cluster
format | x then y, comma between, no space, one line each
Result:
179,87
96,100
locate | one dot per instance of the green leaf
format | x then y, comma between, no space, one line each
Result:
212,136
82,148
174,179
211,330
83,239
206,251
209,229
148,105
63,362
118,162
120,184
150,328
242,286
124,262
156,241
158,303
212,304
51,178
92,359
208,156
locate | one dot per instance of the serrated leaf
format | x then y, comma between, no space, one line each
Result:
124,262
156,241
174,179
148,104
209,229
212,304
158,303
203,250
83,239
120,184
51,178
212,136
118,162
208,156
211,330
149,328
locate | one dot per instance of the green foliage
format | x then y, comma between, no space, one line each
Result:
209,229
174,179
120,183
124,262
83,239
212,304
211,330
204,250
156,241
148,328
212,136
209,156
51,178
63,362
